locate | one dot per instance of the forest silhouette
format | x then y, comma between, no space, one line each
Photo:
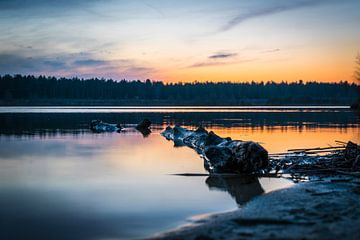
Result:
41,90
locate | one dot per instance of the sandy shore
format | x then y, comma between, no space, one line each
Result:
326,209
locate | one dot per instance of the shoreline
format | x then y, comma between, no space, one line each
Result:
160,103
324,209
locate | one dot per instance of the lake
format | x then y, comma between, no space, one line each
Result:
59,180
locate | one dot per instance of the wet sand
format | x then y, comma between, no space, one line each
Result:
326,209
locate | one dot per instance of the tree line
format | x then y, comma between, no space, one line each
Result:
35,88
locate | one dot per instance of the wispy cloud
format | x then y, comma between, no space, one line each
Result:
219,63
41,4
220,58
269,10
90,62
16,63
271,50
222,55
69,65
207,64
157,10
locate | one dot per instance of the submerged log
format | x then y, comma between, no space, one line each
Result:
100,126
221,155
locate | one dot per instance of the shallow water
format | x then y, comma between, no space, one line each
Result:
58,180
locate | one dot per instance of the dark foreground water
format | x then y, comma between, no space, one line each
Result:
58,180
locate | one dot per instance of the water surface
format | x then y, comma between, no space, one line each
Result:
58,180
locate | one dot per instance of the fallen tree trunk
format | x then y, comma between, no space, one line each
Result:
221,155
99,127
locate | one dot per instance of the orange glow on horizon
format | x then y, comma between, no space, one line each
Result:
261,73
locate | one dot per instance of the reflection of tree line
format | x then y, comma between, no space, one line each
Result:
78,123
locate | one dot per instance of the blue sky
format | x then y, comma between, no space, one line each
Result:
181,40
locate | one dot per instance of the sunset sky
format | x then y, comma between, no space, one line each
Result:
188,40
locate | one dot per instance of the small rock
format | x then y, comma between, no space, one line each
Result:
144,124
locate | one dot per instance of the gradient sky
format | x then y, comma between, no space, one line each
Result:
168,40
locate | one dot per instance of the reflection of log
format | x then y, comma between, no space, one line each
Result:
242,189
144,127
221,155
144,124
144,131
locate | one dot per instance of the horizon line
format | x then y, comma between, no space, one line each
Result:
183,82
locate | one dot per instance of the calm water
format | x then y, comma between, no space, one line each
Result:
58,180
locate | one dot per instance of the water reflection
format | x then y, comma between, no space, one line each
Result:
43,123
242,189
144,131
58,180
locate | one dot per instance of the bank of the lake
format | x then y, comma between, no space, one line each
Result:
326,209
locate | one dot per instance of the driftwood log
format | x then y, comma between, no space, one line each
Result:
352,154
300,163
221,155
100,126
